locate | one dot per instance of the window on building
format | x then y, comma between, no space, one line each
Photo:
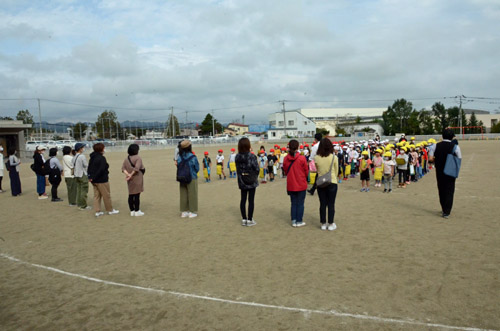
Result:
305,122
494,122
273,134
272,123
281,123
290,123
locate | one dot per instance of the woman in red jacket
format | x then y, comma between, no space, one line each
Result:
296,169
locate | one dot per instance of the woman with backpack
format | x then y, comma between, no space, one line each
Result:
54,174
296,170
15,182
39,168
247,170
187,175
134,175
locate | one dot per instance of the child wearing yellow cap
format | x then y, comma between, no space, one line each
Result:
377,164
364,170
389,165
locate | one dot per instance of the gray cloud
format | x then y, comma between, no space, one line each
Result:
197,55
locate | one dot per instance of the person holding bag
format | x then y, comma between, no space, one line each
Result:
296,171
445,179
247,171
327,166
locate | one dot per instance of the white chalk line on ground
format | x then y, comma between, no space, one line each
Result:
245,303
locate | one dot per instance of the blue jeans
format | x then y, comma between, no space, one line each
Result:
297,210
40,184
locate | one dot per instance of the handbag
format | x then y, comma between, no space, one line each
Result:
452,165
143,170
326,179
412,169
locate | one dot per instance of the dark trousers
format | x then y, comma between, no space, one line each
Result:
251,198
327,196
134,202
15,182
1,183
53,190
446,188
297,209
313,188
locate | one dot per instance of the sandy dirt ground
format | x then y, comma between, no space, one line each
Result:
392,256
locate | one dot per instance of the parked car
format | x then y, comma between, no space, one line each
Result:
31,145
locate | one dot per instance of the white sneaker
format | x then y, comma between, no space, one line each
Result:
184,214
42,197
299,225
251,223
332,227
192,215
85,208
323,226
100,213
132,213
114,212
139,213
243,222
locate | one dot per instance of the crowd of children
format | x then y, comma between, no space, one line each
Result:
403,160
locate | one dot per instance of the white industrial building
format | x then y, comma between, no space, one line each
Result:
290,123
330,118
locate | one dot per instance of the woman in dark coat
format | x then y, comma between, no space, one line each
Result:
247,169
15,182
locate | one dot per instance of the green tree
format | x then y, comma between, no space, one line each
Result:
426,122
107,125
453,116
25,116
441,114
413,123
168,129
79,130
207,125
358,119
396,118
6,118
495,128
473,122
324,132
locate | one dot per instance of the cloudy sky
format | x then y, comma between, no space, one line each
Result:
142,57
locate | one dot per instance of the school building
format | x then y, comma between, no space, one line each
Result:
12,134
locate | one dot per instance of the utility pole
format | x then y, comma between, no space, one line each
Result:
172,120
213,124
284,116
460,115
40,119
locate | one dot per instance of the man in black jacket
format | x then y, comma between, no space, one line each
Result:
446,184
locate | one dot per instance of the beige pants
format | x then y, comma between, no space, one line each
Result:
102,191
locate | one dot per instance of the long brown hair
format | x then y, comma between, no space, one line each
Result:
325,147
244,145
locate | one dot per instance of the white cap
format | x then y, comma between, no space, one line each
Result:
41,148
336,148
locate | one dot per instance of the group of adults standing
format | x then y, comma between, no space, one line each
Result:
296,170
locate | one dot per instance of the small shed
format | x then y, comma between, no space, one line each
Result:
12,134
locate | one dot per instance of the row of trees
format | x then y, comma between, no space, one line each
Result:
402,117
108,127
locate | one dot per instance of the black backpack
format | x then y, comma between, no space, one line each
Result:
54,173
183,171
46,168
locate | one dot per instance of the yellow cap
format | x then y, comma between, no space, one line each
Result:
378,150
388,154
364,153
412,138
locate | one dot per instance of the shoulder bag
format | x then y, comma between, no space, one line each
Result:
326,179
452,165
143,170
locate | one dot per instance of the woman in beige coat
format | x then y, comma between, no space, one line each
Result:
134,175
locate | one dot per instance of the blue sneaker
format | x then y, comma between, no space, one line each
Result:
340,180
